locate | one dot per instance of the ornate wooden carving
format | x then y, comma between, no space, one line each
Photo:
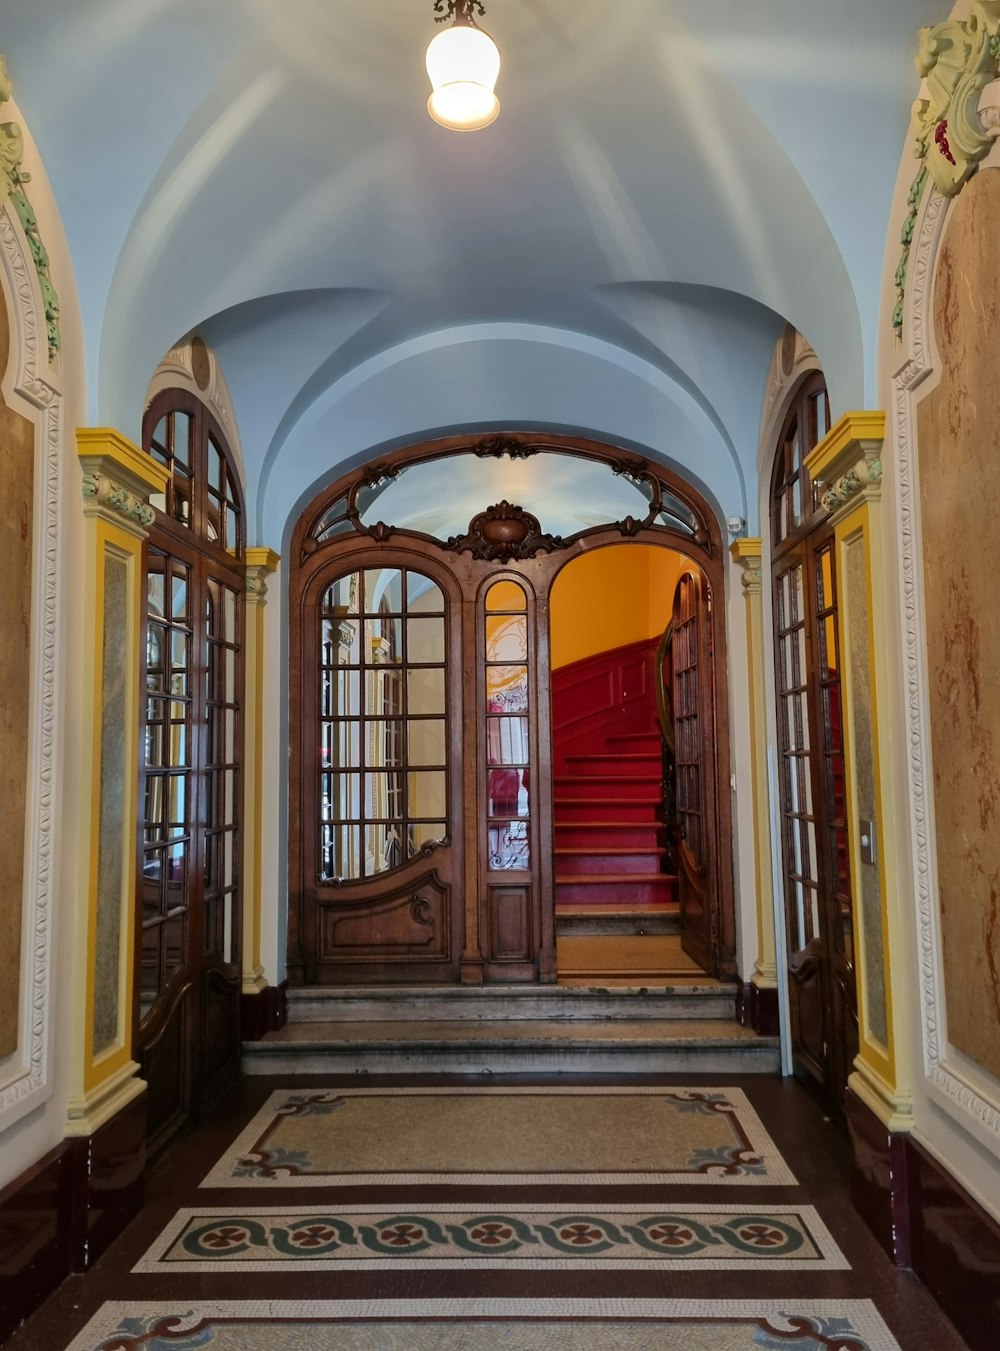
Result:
498,446
503,533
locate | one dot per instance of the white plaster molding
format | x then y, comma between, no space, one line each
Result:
32,386
969,1095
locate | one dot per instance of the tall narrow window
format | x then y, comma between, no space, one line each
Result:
508,726
382,766
191,793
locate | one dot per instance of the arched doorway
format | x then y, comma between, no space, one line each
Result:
421,828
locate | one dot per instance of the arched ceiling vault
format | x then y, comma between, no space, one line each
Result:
667,184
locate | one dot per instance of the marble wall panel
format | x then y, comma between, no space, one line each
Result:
114,778
959,460
17,456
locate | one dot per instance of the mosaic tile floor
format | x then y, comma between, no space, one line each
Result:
454,1214
504,1135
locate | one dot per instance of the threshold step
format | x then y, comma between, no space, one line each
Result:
484,1004
599,921
706,1046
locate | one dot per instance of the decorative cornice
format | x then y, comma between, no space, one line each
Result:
956,60
747,554
849,458
13,180
864,474
260,563
117,476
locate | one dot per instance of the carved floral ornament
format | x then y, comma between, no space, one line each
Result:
956,60
867,473
503,533
13,181
100,491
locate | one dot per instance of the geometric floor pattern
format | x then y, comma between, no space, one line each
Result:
502,1135
658,1213
524,1237
466,1325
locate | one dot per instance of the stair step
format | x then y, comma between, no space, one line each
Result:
592,860
621,766
605,888
618,834
662,999
538,1046
628,810
601,922
642,787
653,740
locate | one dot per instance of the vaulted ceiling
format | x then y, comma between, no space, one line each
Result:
668,183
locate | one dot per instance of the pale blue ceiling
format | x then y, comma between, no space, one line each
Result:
668,182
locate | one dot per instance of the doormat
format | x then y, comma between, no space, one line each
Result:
357,1136
521,1238
514,1324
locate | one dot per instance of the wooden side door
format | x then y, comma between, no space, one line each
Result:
817,892
695,774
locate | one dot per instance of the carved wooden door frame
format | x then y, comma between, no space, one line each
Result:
502,541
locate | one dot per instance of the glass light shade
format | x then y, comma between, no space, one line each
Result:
463,63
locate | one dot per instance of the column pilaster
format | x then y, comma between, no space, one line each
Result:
118,479
747,555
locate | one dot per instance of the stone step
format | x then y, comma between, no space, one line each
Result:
660,1000
705,1046
614,888
603,860
619,766
617,834
616,922
630,810
608,787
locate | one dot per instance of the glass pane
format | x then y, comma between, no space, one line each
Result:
156,638
176,798
229,623
383,794
174,942
155,594
384,743
182,438
342,693
341,643
427,744
506,596
425,691
342,596
383,590
507,741
426,793
340,797
423,832
508,846
424,640
384,641
340,851
214,466
422,595
507,792
178,595
507,689
506,638
232,528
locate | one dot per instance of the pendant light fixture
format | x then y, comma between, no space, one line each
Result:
463,63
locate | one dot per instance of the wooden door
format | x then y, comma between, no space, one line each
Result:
817,890
693,701
416,732
189,842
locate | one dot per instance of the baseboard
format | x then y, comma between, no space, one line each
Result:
955,1248
757,1008
926,1221
62,1213
36,1227
264,1011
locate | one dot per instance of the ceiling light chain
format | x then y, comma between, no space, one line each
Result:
463,64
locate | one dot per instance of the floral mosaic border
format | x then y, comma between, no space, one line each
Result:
787,1324
523,1237
255,1159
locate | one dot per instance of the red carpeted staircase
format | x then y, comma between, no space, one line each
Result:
609,828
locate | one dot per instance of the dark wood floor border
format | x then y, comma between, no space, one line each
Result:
263,1012
757,1008
60,1215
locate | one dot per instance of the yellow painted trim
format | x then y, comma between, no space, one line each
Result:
111,540
266,560
741,549
845,436
849,531
109,445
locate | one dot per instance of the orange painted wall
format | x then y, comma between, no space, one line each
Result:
611,597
